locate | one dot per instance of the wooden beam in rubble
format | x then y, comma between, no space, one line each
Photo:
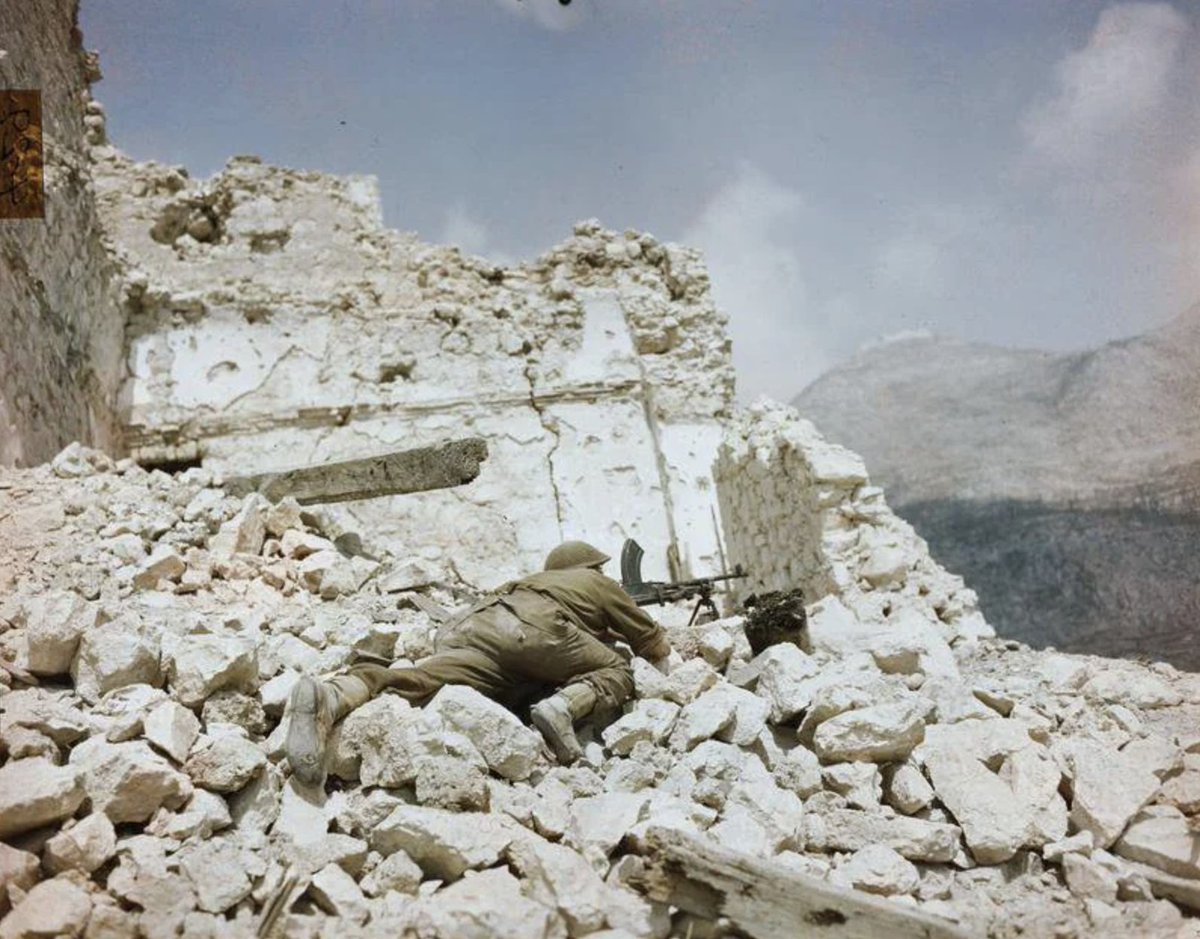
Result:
765,900
425,468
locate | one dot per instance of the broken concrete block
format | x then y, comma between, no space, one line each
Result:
200,664
1081,842
1088,879
444,844
850,830
163,564
860,783
879,869
224,763
219,872
396,872
447,782
906,789
300,544
560,878
649,720
1162,838
799,771
205,813
509,747
171,728
115,655
1108,789
283,516
783,683
880,733
336,892
56,907
19,871
689,680
128,781
599,822
35,792
54,623
85,846
244,533
487,904
1133,687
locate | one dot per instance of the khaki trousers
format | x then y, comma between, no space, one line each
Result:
495,652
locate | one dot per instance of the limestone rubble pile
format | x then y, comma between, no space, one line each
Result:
153,626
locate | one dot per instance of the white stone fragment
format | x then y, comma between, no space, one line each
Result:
906,789
337,894
486,905
172,728
396,872
879,869
224,763
509,747
163,564
85,846
35,792
850,830
115,655
54,623
445,844
128,781
55,907
880,733
649,720
782,680
1108,790
1163,839
200,664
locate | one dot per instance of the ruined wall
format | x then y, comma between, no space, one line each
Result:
800,512
274,322
60,326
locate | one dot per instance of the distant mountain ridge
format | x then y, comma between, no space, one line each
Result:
1064,487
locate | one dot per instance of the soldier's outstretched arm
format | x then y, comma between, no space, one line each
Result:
632,623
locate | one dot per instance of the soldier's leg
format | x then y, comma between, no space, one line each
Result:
588,673
315,706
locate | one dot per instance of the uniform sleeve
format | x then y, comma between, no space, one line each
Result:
633,624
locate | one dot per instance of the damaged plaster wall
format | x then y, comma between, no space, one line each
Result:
799,511
273,321
60,324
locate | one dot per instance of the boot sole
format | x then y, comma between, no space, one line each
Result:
564,753
302,746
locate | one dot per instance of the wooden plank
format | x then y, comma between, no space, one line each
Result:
439,467
765,900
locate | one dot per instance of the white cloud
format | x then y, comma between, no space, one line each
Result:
549,14
748,233
472,236
1118,80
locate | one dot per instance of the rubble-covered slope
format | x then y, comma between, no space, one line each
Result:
143,793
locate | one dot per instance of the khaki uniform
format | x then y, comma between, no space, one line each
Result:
530,637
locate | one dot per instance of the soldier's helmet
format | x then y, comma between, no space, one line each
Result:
574,554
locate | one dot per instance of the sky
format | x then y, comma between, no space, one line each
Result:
1016,172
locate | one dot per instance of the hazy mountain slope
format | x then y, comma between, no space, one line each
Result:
1065,488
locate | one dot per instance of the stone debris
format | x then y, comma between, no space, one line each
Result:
908,755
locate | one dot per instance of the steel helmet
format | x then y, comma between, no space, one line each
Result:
574,554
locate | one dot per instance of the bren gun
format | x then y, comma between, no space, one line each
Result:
652,592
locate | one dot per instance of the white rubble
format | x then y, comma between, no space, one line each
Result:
128,781
876,868
35,792
509,747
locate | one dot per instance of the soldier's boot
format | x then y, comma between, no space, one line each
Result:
555,717
313,708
